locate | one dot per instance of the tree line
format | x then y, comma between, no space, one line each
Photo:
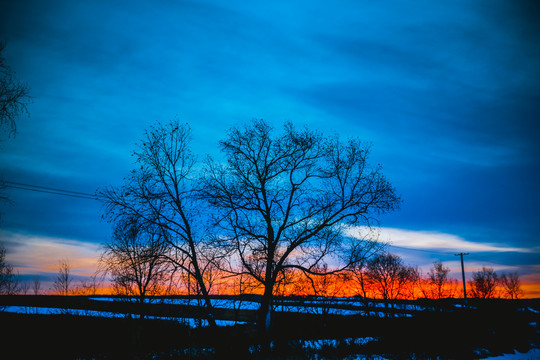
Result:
270,216
382,276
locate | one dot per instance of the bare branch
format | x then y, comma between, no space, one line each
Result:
282,201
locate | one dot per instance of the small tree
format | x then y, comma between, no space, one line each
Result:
356,276
511,285
438,284
36,285
9,284
358,281
411,288
389,276
325,288
89,286
24,287
62,283
484,283
136,258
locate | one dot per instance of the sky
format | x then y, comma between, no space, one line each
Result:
447,93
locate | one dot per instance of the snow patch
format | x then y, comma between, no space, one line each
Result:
530,355
191,322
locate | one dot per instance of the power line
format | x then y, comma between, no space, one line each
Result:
49,190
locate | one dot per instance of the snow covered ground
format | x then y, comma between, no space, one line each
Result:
192,322
320,343
250,305
218,303
532,354
307,307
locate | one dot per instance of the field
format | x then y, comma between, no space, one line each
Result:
80,327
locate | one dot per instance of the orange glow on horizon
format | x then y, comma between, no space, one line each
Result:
38,258
299,285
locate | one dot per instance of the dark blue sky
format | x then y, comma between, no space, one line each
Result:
448,94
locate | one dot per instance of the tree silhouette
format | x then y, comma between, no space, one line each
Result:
36,285
13,96
8,279
14,99
438,284
484,283
511,285
389,276
357,280
24,287
62,283
283,201
162,194
136,259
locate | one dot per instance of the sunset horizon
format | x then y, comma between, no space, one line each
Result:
360,152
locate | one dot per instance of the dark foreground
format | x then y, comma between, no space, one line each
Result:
490,329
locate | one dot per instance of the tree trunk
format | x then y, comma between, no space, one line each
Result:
264,321
200,281
265,311
207,303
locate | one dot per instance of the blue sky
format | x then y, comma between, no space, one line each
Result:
448,93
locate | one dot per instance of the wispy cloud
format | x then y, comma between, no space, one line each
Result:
31,254
447,93
425,240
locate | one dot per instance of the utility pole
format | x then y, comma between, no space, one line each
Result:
463,276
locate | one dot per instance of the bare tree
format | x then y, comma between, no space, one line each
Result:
356,276
511,285
484,283
412,288
136,259
14,99
284,201
9,283
89,285
239,286
325,288
389,276
438,284
62,283
24,287
13,96
36,285
162,193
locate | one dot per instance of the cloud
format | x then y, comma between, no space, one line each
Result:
447,93
422,248
32,254
425,240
